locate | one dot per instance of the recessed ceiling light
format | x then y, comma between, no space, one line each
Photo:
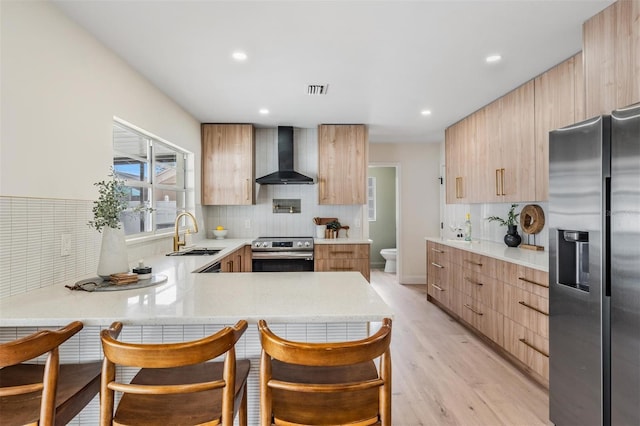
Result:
425,112
239,56
493,58
264,111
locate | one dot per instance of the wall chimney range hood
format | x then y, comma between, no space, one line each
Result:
285,174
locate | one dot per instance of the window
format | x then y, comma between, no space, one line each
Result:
154,172
371,198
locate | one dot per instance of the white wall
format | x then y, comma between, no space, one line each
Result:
419,202
61,89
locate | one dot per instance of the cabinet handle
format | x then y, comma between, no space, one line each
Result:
437,287
532,282
472,262
497,180
502,182
473,282
533,347
526,305
437,265
230,265
459,187
338,268
473,310
436,250
342,252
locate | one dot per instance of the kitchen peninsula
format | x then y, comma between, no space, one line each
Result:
307,306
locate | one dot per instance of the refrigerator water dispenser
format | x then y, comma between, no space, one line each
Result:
573,259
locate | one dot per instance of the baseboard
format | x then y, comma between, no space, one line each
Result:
412,279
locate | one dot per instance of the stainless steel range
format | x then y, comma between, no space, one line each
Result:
282,254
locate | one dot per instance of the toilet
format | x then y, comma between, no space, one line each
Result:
389,255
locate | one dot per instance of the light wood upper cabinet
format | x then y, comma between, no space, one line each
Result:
611,48
342,163
558,103
228,172
491,154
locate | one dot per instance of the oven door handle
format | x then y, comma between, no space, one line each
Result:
266,255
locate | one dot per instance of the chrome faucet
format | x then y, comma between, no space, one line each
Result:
176,237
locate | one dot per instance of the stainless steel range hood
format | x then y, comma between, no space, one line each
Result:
285,174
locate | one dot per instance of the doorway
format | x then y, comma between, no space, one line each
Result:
383,212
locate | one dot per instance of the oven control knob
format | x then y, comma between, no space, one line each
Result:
257,244
299,244
307,243
265,244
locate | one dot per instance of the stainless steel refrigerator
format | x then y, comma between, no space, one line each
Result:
594,271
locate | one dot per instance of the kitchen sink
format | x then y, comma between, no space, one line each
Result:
195,252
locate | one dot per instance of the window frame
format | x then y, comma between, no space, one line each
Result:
187,188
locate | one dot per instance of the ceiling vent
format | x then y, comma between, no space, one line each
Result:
317,89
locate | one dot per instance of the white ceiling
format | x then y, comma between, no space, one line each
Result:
384,61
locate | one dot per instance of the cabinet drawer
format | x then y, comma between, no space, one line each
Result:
438,282
528,347
438,253
477,263
527,309
529,279
484,289
341,251
484,319
342,265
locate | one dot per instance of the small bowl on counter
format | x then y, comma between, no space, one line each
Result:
220,233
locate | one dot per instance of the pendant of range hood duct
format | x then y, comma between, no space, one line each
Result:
285,174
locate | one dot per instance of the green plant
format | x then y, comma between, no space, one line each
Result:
512,217
334,225
112,201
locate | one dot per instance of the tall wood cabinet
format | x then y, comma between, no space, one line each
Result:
228,172
559,102
342,163
611,48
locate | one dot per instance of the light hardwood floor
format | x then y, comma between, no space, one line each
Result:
444,375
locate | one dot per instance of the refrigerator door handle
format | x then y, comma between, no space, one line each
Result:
607,237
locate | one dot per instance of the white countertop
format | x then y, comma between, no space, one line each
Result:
341,241
191,298
529,258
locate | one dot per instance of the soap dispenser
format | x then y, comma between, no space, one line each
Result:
467,228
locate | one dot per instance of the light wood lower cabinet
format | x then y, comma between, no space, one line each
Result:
505,302
237,261
342,257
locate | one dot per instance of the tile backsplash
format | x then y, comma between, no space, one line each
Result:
454,214
31,231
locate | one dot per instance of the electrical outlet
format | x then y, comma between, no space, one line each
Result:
65,245
247,224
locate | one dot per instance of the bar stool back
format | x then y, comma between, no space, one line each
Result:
325,383
175,385
44,394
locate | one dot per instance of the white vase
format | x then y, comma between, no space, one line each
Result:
113,252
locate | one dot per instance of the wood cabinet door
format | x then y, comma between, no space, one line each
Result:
452,154
342,164
611,49
490,177
517,174
555,107
228,173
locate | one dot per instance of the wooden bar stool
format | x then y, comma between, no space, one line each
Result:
44,394
176,385
325,383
